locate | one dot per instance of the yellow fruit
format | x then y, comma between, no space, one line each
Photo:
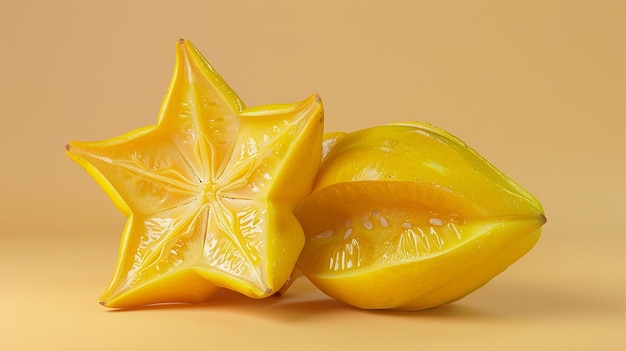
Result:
406,216
209,191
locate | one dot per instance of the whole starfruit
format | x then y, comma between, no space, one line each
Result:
406,216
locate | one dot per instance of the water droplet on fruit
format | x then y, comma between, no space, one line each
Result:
325,234
436,221
347,234
383,221
368,225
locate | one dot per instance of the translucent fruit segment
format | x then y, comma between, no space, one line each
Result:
209,191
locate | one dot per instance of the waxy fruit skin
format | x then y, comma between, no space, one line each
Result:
209,191
406,216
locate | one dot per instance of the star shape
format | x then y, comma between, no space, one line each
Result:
209,191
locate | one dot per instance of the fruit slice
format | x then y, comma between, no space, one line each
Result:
406,216
209,191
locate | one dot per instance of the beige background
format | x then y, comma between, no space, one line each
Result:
537,87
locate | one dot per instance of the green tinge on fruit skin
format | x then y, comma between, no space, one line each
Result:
438,280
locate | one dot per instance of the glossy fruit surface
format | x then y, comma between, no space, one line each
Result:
406,216
209,191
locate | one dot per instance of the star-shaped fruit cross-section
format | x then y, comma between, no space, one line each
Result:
209,191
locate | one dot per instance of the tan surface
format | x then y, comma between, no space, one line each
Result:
538,89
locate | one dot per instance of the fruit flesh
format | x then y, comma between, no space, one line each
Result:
406,216
205,190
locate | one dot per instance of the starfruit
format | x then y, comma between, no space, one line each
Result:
406,216
209,191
